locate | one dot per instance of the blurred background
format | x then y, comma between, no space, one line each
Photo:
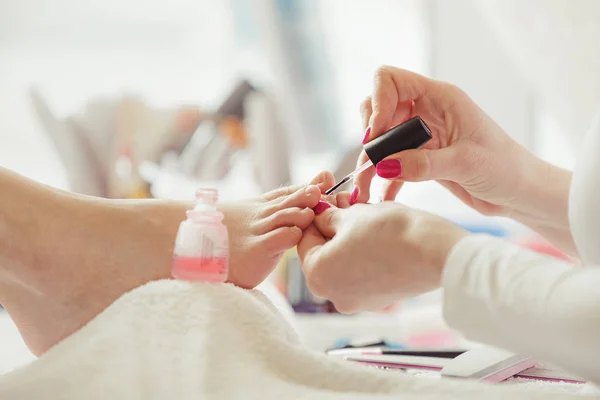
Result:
149,98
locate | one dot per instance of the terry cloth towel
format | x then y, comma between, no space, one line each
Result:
180,340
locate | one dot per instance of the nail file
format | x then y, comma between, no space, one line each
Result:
411,134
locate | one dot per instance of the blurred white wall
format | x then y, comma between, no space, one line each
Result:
170,53
362,36
468,53
556,45
506,54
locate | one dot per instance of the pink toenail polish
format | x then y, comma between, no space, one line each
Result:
389,168
367,132
322,206
354,195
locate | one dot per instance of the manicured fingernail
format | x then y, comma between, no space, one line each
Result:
322,206
354,195
389,168
367,132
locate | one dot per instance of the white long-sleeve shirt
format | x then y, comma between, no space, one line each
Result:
503,295
498,293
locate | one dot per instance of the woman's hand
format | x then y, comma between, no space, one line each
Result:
369,256
469,154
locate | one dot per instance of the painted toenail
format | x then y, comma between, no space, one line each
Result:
354,195
322,206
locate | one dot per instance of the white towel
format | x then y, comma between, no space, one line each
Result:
178,340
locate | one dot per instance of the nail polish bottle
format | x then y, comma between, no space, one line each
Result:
202,246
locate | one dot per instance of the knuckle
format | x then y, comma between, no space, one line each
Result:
452,91
382,72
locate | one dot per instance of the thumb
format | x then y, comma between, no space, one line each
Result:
421,165
327,219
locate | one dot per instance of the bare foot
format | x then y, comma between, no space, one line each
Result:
81,254
262,230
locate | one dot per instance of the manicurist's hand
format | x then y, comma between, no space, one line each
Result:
368,256
469,154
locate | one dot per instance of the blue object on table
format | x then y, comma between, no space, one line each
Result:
348,344
488,229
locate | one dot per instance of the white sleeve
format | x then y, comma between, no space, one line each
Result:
506,296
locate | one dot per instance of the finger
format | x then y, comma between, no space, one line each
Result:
327,219
282,191
305,197
390,190
281,239
366,109
363,180
293,216
422,165
324,180
394,92
404,111
314,254
310,244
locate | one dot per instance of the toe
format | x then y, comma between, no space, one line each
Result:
344,200
281,239
281,192
324,180
305,197
294,216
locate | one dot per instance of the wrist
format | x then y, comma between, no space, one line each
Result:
436,240
543,196
448,241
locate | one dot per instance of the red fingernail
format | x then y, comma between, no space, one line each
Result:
354,195
366,135
389,168
322,206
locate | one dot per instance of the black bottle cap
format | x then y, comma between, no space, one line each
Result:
411,134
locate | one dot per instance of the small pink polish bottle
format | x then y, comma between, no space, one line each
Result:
202,246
